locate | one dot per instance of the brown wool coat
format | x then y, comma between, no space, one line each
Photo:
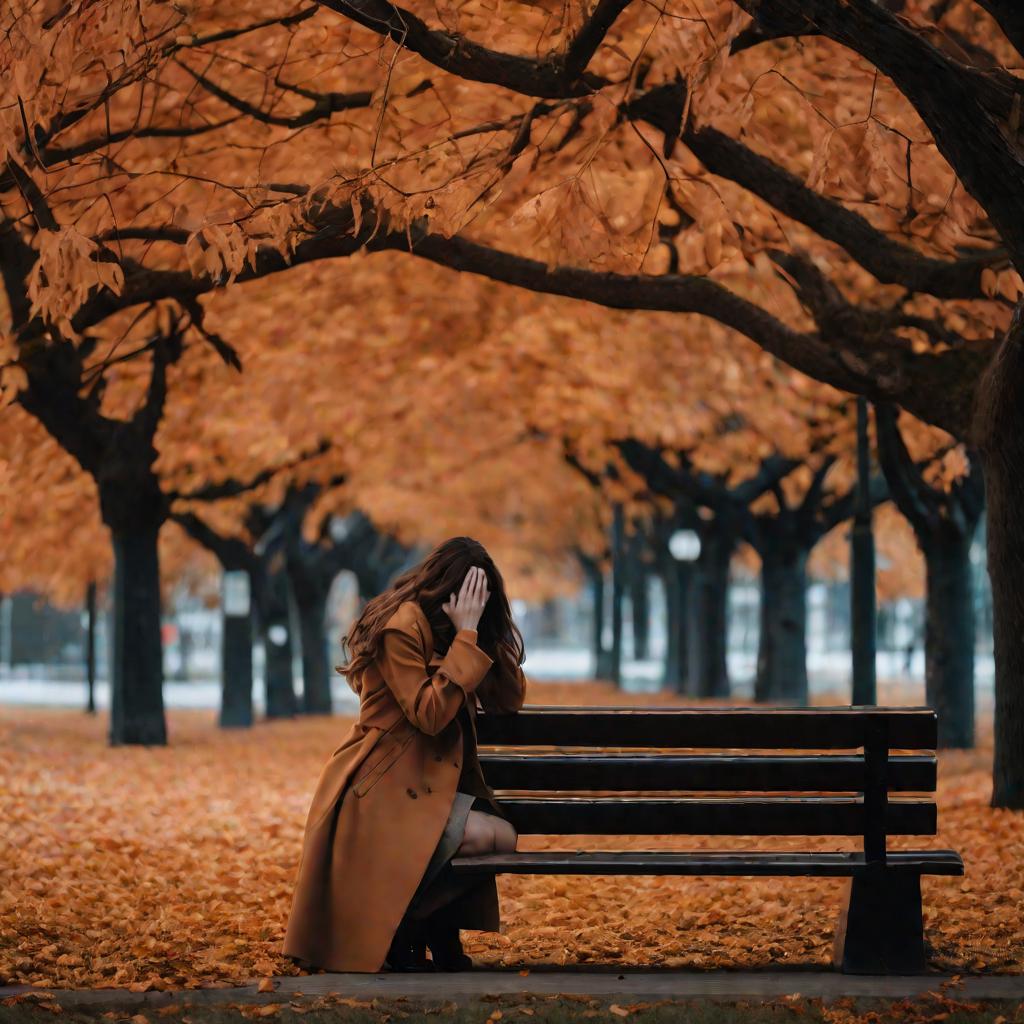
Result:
383,798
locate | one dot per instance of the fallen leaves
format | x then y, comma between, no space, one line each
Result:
167,868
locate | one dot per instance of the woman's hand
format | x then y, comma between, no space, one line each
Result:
465,611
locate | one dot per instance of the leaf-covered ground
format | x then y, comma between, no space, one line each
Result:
172,867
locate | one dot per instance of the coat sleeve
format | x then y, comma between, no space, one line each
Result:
430,702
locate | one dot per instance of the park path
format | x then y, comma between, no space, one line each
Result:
624,986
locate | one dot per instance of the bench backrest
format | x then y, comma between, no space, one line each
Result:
566,770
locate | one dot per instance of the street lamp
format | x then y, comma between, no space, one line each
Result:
684,545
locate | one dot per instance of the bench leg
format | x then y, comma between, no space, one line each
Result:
880,929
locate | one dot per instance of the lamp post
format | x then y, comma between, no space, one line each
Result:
862,572
90,646
684,546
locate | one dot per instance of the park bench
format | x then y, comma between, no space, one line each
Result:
584,771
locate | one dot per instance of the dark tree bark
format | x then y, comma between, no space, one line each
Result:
784,539
620,570
119,455
236,667
309,578
707,591
782,645
137,704
311,611
1000,436
639,598
376,564
596,583
641,607
312,566
944,525
276,631
949,638
708,674
237,631
677,579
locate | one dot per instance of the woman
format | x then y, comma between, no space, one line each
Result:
404,792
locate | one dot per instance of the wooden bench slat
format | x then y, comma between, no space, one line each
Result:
744,816
610,772
739,728
604,862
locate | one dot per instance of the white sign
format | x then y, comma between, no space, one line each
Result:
235,593
684,546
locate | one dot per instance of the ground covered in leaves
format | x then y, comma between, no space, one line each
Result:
172,867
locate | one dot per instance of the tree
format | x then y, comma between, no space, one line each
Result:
943,509
816,169
784,538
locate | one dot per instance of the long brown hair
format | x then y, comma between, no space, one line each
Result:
431,584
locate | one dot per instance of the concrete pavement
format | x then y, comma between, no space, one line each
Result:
622,986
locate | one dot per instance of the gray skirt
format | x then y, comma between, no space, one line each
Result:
451,839
468,901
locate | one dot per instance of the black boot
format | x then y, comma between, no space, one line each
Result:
446,946
408,951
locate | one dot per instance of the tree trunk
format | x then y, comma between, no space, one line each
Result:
605,655
316,678
949,639
1000,434
782,645
596,580
1004,497
677,579
236,657
277,645
641,608
708,674
619,572
136,660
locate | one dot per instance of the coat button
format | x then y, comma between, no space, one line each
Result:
411,792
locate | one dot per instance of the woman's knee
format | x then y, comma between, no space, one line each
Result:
478,837
487,833
505,836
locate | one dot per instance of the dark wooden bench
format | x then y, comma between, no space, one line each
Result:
733,771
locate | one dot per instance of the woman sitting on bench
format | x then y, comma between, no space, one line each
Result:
404,792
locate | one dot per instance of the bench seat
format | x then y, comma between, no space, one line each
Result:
706,862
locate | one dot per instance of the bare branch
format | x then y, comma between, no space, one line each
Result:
546,78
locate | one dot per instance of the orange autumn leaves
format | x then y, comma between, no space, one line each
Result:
172,867
340,361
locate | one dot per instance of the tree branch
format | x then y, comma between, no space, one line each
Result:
233,553
326,103
973,115
546,78
937,387
913,498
